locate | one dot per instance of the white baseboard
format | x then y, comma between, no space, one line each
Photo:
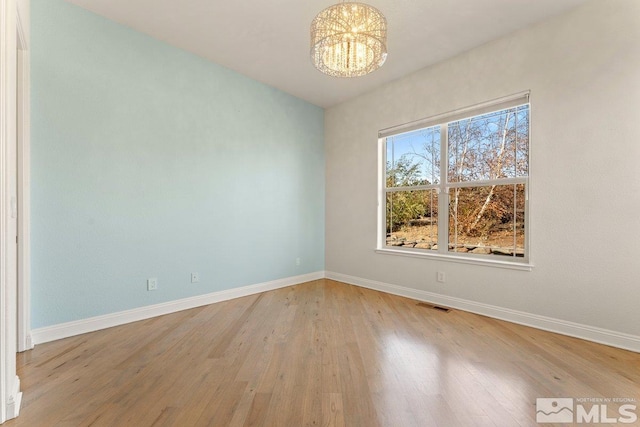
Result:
589,333
586,332
14,401
69,329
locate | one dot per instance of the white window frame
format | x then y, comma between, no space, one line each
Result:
443,187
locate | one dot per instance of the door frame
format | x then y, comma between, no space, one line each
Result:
14,36
23,125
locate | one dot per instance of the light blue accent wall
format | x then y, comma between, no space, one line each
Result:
148,161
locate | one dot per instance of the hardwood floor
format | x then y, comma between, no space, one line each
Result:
322,353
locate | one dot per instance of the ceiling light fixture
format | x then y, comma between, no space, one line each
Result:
349,39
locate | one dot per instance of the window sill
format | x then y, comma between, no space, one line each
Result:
476,260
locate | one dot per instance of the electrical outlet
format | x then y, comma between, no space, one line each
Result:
297,261
152,284
195,277
440,277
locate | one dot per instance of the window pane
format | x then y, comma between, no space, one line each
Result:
412,219
522,144
413,158
490,146
487,220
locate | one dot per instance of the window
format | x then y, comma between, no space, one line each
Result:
456,185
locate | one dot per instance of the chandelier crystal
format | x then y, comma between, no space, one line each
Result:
349,39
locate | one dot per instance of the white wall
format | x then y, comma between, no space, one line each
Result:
583,70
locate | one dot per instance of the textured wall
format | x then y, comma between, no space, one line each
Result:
582,69
148,161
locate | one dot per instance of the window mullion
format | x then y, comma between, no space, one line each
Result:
411,188
488,182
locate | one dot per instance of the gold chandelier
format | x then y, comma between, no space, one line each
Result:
349,39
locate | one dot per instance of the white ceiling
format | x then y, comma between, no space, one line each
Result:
269,40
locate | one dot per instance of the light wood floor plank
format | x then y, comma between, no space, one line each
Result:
322,353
